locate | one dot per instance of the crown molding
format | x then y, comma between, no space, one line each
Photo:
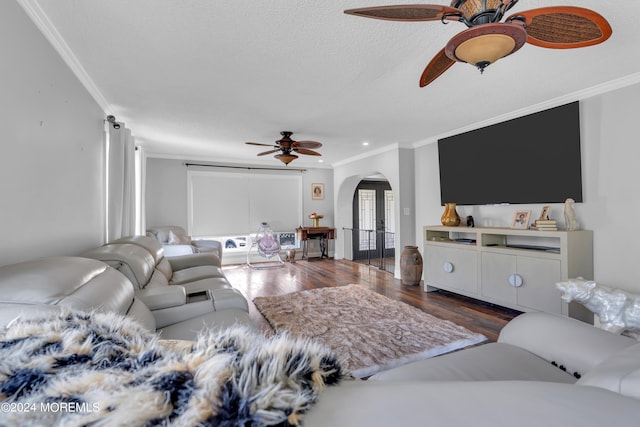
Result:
384,149
43,23
580,95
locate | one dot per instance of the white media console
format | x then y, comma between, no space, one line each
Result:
509,267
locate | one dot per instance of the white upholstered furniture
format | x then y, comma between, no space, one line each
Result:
176,242
528,378
171,286
52,283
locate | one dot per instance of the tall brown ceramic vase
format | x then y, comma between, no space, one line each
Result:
450,217
411,266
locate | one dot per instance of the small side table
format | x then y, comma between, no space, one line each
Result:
323,234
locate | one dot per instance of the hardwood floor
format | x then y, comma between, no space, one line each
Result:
475,315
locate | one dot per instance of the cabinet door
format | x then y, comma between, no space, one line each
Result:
494,278
452,268
538,290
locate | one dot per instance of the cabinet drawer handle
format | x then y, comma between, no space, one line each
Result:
515,280
447,267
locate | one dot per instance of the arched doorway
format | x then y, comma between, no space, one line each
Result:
374,223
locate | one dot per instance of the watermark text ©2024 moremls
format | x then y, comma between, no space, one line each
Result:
49,407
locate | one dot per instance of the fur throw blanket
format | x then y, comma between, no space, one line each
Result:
78,369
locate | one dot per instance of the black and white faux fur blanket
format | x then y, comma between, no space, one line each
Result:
79,369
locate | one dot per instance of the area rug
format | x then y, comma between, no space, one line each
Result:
367,331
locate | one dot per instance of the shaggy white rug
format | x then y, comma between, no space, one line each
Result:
367,331
95,369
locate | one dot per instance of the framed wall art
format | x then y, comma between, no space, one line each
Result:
317,191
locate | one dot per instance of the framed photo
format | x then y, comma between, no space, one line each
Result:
521,219
317,191
544,214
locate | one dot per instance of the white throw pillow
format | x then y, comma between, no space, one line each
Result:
175,239
619,373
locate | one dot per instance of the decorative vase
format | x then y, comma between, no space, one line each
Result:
450,217
411,266
316,219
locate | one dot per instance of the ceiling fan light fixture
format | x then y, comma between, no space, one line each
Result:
485,44
286,158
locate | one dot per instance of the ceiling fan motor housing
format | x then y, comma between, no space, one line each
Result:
478,12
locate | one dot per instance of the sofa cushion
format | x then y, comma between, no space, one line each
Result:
153,246
619,373
192,274
229,298
158,280
471,403
165,268
570,343
488,362
135,262
190,329
208,283
72,282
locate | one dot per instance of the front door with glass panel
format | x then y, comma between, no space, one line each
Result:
374,221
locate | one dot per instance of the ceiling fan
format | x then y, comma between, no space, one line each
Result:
487,39
288,147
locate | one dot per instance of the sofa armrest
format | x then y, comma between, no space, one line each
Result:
208,246
164,297
569,343
195,260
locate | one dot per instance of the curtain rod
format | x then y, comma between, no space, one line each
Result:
245,167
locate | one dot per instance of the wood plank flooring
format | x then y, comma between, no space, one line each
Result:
475,315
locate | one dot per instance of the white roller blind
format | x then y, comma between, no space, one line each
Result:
223,204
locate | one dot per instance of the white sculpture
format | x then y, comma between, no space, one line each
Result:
570,221
618,310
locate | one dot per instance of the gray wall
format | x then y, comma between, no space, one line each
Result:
51,168
610,158
166,193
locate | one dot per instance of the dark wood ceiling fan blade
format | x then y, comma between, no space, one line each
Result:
438,65
408,12
307,144
306,151
257,143
564,27
264,153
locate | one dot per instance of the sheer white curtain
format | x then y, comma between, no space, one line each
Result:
121,206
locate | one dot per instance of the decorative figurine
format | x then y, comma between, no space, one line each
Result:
470,222
618,310
570,221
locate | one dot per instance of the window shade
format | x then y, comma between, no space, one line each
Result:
229,203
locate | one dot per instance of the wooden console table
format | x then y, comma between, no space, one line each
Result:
323,234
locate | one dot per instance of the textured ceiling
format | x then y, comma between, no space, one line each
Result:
197,78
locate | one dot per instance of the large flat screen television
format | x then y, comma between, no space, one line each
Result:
530,159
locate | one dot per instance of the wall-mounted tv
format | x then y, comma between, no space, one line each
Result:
530,159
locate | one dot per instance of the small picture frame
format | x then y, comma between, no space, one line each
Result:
317,191
544,214
521,219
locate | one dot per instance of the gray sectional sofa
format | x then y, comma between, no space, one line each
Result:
131,276
172,287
